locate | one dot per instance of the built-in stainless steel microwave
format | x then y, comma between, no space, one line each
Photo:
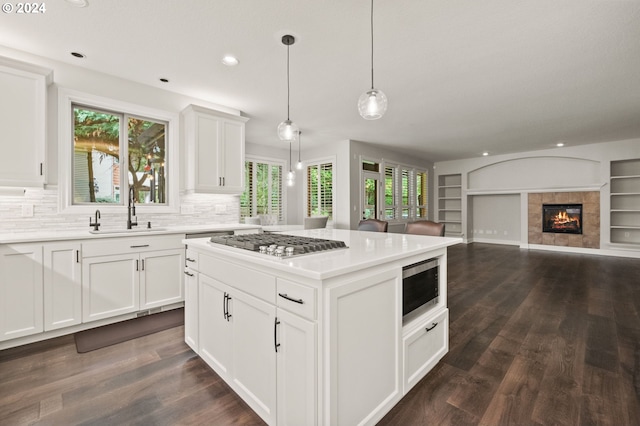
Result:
419,285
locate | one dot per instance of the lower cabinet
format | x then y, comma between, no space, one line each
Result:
424,346
161,278
21,296
62,285
266,354
191,309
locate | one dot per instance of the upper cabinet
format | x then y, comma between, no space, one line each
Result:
23,123
214,151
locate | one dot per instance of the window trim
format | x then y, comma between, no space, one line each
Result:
66,99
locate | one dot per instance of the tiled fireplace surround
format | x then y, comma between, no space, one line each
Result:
590,201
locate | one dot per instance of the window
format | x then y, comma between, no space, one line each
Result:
111,147
263,192
101,140
320,184
405,193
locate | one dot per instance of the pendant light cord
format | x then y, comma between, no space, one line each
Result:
288,82
371,44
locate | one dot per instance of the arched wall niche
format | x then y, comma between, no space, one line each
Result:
535,172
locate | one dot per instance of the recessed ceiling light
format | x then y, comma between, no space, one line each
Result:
485,153
164,80
78,3
560,144
78,54
230,61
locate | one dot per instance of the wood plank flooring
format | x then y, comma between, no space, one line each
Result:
537,338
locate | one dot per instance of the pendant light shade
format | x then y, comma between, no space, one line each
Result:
290,175
287,130
372,104
299,163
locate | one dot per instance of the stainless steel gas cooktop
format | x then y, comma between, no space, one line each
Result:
279,245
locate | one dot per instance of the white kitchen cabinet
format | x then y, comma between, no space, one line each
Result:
237,340
214,151
296,370
191,304
23,122
62,285
21,296
146,273
110,286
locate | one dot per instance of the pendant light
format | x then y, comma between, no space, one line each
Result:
372,104
299,163
287,130
290,175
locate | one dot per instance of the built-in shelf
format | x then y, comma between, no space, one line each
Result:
625,202
450,204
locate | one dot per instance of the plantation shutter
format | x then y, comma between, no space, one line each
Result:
320,190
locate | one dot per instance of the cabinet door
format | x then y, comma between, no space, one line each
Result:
207,139
232,156
22,119
254,353
215,334
62,285
20,290
191,309
110,286
161,278
296,370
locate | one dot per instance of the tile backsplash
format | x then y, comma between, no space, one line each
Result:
203,209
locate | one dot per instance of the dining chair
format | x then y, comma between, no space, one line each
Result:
314,222
425,227
373,225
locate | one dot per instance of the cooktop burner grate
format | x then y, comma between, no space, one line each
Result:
278,244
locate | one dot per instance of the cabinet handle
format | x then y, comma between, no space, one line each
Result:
188,273
228,314
220,181
140,246
77,256
41,169
223,182
190,259
275,334
142,265
285,296
137,265
224,305
433,325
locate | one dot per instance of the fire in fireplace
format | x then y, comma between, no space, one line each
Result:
562,218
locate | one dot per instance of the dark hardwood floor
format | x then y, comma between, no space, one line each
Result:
537,338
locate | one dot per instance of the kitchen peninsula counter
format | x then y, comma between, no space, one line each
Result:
316,338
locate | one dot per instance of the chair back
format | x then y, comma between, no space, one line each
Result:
315,222
373,225
425,227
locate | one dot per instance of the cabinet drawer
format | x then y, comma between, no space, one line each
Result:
191,260
296,298
110,246
424,347
255,283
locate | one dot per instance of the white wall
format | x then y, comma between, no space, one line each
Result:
494,218
206,208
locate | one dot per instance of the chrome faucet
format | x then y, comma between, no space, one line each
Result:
96,224
131,209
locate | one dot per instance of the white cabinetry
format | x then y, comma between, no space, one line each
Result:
147,273
62,285
625,201
22,119
21,297
214,150
191,301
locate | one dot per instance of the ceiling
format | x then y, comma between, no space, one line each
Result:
462,76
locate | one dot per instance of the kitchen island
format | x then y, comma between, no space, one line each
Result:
319,338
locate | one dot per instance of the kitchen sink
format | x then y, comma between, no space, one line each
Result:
126,231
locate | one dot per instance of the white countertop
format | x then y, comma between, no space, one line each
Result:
58,235
366,249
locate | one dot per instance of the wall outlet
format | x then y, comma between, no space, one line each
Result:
27,210
186,209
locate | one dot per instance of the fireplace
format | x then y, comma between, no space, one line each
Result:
562,218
